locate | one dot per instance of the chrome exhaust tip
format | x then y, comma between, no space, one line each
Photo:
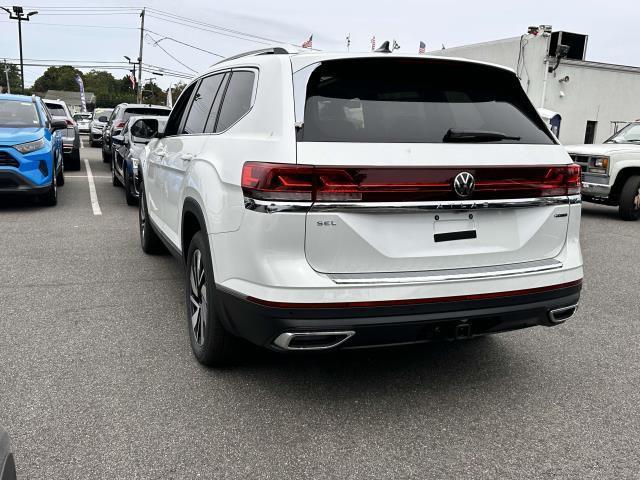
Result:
560,315
312,340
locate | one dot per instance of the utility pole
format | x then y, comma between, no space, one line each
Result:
140,56
6,75
19,15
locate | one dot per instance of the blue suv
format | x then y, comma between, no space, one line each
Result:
31,160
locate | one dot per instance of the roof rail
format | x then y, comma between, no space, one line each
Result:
263,51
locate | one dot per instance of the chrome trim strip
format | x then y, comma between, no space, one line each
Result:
596,189
266,206
284,339
435,276
412,207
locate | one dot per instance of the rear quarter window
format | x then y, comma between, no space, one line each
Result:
238,99
411,101
56,110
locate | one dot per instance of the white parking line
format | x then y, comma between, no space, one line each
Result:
92,190
85,176
81,143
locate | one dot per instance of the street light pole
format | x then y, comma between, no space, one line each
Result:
6,75
140,55
19,15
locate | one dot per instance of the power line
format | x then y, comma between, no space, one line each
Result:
165,37
175,22
155,43
88,13
75,25
217,27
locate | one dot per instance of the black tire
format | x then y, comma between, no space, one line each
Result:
131,199
149,239
629,207
91,144
105,158
74,160
114,180
211,343
50,198
60,176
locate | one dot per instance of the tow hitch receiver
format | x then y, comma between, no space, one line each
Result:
463,331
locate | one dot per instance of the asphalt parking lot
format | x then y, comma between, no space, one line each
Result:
97,379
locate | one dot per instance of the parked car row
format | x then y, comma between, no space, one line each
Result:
320,201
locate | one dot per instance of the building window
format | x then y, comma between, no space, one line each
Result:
590,132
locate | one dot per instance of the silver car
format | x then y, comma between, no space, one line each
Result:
70,136
83,120
100,118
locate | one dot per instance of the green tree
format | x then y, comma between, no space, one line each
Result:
57,78
152,93
14,78
177,89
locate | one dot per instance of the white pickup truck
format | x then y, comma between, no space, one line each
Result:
611,171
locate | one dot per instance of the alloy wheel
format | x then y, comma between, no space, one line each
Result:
198,305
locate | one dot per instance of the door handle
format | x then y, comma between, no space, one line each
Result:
187,157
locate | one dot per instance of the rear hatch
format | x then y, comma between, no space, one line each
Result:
389,138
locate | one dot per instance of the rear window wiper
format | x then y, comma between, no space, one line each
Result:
454,135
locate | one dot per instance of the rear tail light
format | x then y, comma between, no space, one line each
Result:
286,182
120,124
70,122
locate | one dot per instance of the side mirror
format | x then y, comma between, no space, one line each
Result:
118,139
58,125
103,119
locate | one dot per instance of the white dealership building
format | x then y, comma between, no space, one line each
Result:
594,99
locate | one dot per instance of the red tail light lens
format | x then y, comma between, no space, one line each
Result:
272,181
70,122
120,125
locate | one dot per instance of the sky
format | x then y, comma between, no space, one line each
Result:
63,34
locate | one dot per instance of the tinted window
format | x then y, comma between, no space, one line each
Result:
407,100
237,99
177,113
18,114
56,110
161,112
201,104
215,109
145,128
101,112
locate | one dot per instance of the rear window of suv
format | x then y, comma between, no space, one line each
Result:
412,101
129,112
56,110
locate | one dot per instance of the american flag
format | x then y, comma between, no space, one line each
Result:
132,79
422,48
308,43
373,43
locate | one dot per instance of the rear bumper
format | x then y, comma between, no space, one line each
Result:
389,323
595,189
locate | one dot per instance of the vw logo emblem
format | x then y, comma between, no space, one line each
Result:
464,184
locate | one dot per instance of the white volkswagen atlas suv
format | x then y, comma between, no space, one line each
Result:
354,200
